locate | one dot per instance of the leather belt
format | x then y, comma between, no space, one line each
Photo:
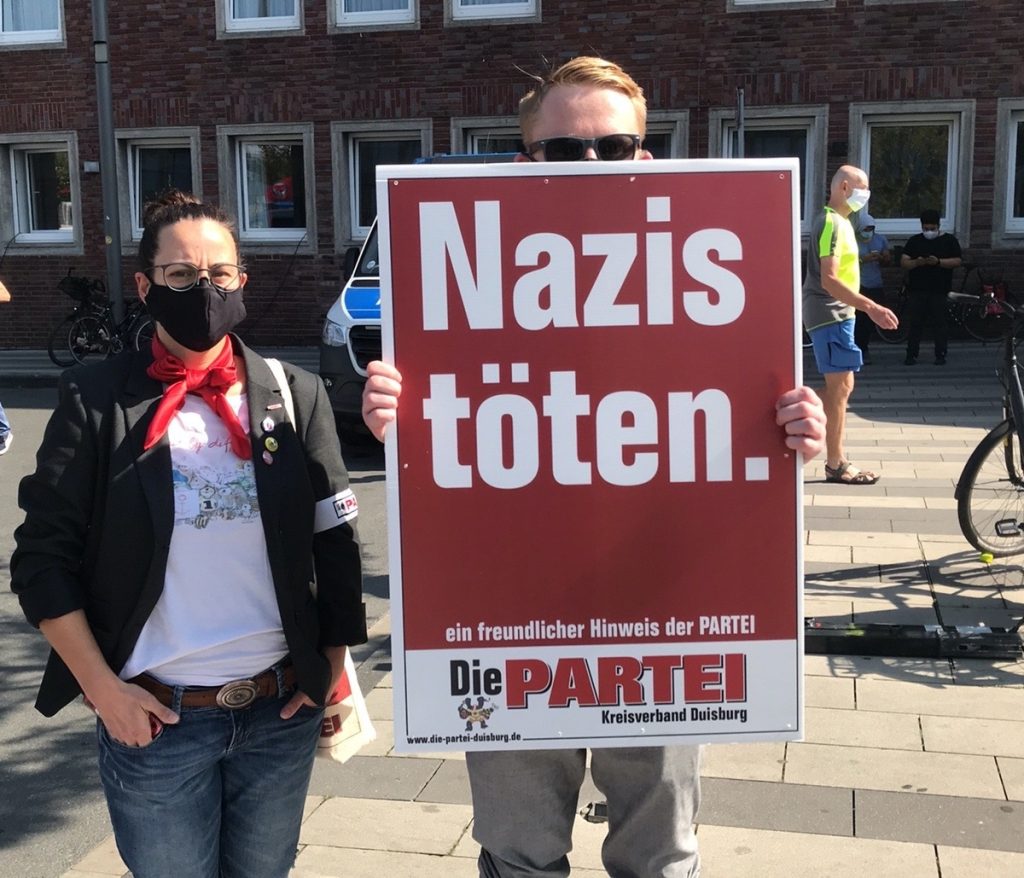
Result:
235,695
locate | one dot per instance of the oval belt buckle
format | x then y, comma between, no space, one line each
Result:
237,694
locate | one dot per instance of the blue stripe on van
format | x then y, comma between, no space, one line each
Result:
363,303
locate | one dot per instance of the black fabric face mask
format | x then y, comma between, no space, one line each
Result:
197,318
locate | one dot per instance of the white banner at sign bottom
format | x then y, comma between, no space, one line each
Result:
610,695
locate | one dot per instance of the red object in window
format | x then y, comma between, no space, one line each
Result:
280,190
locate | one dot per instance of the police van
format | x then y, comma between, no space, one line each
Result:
351,335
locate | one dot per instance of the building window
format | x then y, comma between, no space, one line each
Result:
492,140
477,134
43,208
779,132
358,149
491,10
1008,206
365,153
665,138
360,13
271,200
267,174
40,204
151,161
667,134
26,22
249,17
917,156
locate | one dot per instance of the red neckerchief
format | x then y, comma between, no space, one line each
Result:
209,383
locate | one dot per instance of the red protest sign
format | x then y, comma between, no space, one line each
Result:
593,507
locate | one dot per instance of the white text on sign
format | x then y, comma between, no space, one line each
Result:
619,423
547,296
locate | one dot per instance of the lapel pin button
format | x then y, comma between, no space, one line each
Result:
271,443
268,424
268,458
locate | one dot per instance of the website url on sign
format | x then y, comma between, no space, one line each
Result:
465,738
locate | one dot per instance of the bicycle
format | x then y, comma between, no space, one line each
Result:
90,331
979,318
990,490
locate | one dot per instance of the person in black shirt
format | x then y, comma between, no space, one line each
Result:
930,258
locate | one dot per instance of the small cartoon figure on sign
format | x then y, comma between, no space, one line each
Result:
478,713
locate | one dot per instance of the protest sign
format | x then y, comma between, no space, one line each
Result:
594,519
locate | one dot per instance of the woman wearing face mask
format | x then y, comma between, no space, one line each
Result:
175,527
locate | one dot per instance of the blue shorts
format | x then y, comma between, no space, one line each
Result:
834,348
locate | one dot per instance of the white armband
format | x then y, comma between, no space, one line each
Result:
332,511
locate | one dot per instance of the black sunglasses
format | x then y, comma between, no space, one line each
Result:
610,148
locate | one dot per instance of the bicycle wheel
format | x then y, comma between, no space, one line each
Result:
58,347
89,339
986,321
990,494
142,332
898,305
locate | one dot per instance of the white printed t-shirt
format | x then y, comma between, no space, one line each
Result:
217,619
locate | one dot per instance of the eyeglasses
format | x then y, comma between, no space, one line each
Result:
182,276
610,148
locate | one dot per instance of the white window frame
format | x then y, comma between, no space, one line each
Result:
344,136
129,140
776,5
812,118
455,12
959,115
1007,230
228,27
13,207
230,140
675,123
386,19
31,39
466,130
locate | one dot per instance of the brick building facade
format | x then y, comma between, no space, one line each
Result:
280,109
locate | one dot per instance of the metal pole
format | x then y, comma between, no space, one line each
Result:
108,160
740,133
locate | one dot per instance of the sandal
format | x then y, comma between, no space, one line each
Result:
846,474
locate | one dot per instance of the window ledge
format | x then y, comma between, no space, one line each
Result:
350,27
46,248
259,33
9,45
778,5
276,245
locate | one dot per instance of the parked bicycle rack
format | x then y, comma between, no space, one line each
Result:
921,641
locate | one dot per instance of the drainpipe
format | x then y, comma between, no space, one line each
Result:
108,158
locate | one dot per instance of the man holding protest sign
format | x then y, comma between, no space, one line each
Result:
831,298
524,801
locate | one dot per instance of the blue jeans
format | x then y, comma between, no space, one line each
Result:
5,425
218,795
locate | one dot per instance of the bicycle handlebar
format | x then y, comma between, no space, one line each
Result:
990,299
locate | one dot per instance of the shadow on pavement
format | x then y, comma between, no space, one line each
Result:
48,771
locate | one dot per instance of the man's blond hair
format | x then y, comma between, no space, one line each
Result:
584,70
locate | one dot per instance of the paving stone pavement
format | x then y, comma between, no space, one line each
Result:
912,768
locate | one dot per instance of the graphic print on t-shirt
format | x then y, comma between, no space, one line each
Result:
206,493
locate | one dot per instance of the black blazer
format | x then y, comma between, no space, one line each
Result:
100,510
